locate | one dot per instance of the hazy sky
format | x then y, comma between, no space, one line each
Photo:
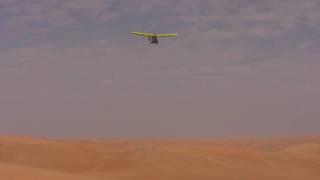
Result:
70,68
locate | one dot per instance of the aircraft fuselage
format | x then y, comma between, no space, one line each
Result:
153,40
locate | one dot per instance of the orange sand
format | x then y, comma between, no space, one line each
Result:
40,159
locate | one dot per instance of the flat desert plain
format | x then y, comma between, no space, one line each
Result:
23,158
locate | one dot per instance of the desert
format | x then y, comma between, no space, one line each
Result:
32,158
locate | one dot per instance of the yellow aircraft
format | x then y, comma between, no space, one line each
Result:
153,38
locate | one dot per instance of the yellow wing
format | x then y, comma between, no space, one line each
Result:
166,35
157,35
142,34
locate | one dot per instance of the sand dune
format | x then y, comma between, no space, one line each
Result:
285,159
17,172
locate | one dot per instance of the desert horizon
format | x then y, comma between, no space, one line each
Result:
30,158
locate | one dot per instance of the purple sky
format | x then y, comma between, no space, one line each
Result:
70,68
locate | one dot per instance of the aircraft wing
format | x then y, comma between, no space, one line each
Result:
166,35
142,34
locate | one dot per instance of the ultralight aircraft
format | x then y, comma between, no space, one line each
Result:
153,38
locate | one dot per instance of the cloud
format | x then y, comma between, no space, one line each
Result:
228,27
237,18
214,19
25,16
262,19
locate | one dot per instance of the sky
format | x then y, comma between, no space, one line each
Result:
239,68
